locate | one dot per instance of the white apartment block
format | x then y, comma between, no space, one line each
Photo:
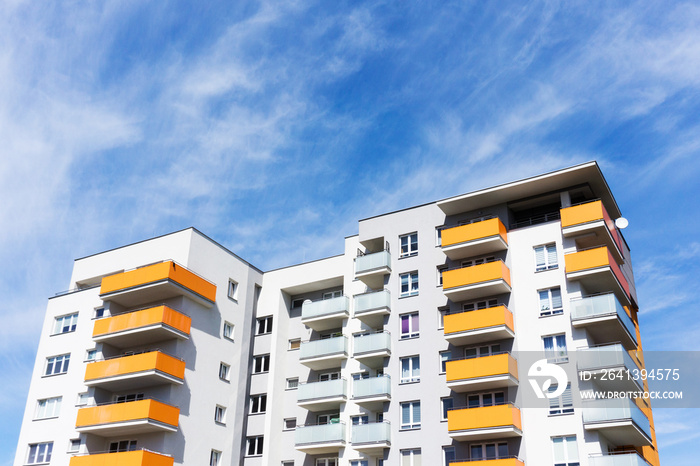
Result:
404,350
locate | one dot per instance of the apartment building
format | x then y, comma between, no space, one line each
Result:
412,347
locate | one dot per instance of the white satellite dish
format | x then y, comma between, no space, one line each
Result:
621,223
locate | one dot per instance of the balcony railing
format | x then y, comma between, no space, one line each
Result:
618,459
476,281
142,326
599,270
322,390
486,372
137,370
326,347
488,422
375,300
474,239
371,387
324,307
124,458
371,433
612,415
508,461
494,323
320,434
582,217
372,343
372,261
596,308
140,416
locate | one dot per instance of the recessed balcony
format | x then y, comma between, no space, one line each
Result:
618,459
135,371
474,239
371,307
371,268
597,270
591,225
325,314
322,396
140,327
477,281
488,422
481,325
610,367
156,283
513,461
131,418
324,354
371,393
320,439
619,420
124,458
371,349
483,373
371,438
604,319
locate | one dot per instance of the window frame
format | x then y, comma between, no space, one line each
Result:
214,457
443,362
224,371
264,364
444,409
291,380
413,423
412,453
484,451
411,245
563,404
445,460
220,414
285,427
413,319
258,403
228,334
556,355
51,362
232,290
263,325
550,310
40,455
292,342
411,279
547,256
55,408
72,325
256,443
413,369
567,461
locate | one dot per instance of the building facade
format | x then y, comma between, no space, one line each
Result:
415,346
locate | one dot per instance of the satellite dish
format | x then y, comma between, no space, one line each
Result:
621,223
307,301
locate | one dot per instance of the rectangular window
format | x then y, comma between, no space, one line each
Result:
74,445
233,290
50,407
479,261
65,324
228,330
449,455
215,458
264,325
122,445
220,414
488,451
442,312
255,446
410,415
128,398
290,423
546,257
297,303
409,244
332,294
476,305
550,302
444,357
409,326
57,364
293,383
358,420
481,351
224,371
261,364
258,404
410,369
90,355
446,404
99,313
562,404
39,453
440,270
83,399
486,399
438,235
288,463
294,344
409,284
359,463
411,457
565,451
555,348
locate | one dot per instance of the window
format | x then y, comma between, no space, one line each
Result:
332,294
446,404
491,451
294,344
410,415
442,312
565,451
220,414
57,364
264,325
40,453
409,245
214,458
293,383
128,398
438,235
448,455
297,303
359,420
83,399
288,463
411,457
555,348
545,257
409,326
233,290
74,445
65,324
359,463
440,270
327,462
479,261
550,302
328,376
261,364
258,404
481,351
444,357
50,407
486,399
228,331
255,446
122,445
99,313
224,371
485,304
290,423
90,355
323,419
409,284
410,369
563,404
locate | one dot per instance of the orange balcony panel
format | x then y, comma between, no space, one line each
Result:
476,281
499,462
474,239
465,328
134,417
125,458
139,327
488,422
591,217
599,272
157,282
497,371
135,371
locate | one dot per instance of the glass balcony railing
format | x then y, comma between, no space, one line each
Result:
326,347
606,411
371,387
320,390
594,307
372,343
620,459
606,356
325,307
320,434
368,302
371,433
373,261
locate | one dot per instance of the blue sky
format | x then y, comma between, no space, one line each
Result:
274,126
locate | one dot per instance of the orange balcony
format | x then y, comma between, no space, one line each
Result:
466,328
124,458
135,371
598,272
142,327
497,371
476,281
474,239
593,226
498,462
134,417
488,422
157,282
